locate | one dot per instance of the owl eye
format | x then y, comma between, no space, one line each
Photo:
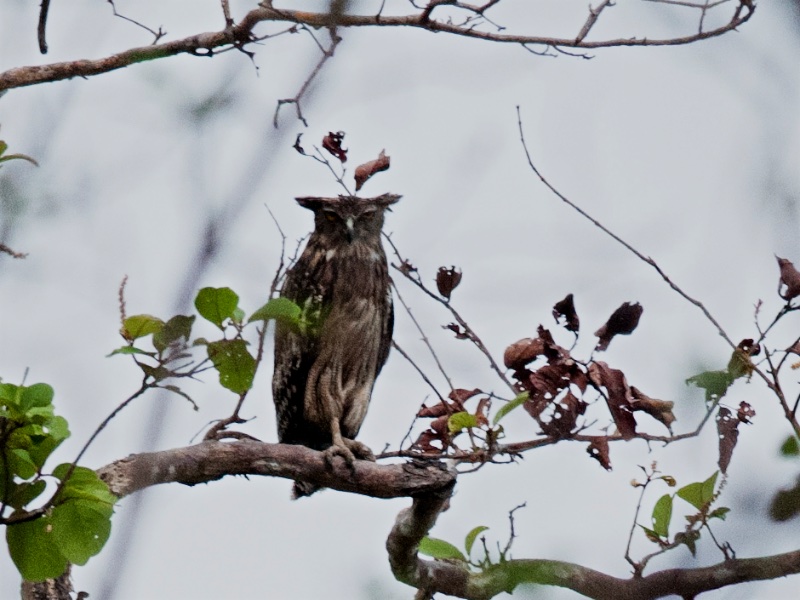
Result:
330,216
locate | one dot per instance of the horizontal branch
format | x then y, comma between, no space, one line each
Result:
212,460
457,579
204,44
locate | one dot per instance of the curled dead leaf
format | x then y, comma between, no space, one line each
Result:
790,279
520,353
728,430
447,280
598,450
618,396
566,309
660,410
333,144
460,335
622,321
368,169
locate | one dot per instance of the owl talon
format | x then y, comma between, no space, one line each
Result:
349,450
337,450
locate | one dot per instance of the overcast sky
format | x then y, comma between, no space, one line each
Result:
689,153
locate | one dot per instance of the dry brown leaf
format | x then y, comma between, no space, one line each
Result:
368,169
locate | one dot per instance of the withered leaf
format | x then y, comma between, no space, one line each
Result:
460,395
520,353
727,428
447,280
564,416
740,364
406,268
297,145
621,322
461,335
745,412
333,144
790,278
425,441
598,450
437,410
566,309
618,396
368,169
658,409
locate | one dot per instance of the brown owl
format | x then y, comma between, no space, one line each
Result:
325,370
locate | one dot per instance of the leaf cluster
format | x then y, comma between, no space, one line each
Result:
71,525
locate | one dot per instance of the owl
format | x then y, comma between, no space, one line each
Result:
325,368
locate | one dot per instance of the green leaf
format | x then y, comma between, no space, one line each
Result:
127,350
790,447
688,538
699,493
693,494
177,328
509,406
469,541
662,515
57,428
238,315
33,550
715,383
21,464
437,548
236,366
26,492
719,513
81,529
139,326
461,420
281,309
216,304
651,535
709,485
36,395
84,484
3,147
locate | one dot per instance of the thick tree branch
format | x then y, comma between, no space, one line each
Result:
204,44
212,460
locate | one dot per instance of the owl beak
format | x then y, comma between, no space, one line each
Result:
349,232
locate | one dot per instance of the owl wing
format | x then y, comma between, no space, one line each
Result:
295,352
386,332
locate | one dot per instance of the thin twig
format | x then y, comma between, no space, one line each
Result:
327,54
156,34
594,14
615,237
468,331
280,270
425,339
226,12
40,30
418,369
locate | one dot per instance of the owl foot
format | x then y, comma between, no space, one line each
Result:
349,450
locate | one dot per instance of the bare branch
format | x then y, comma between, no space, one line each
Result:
44,8
205,44
615,237
594,14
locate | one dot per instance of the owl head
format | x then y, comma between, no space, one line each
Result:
349,218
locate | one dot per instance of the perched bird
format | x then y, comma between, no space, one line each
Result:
325,369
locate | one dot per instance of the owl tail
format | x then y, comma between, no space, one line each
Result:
301,489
